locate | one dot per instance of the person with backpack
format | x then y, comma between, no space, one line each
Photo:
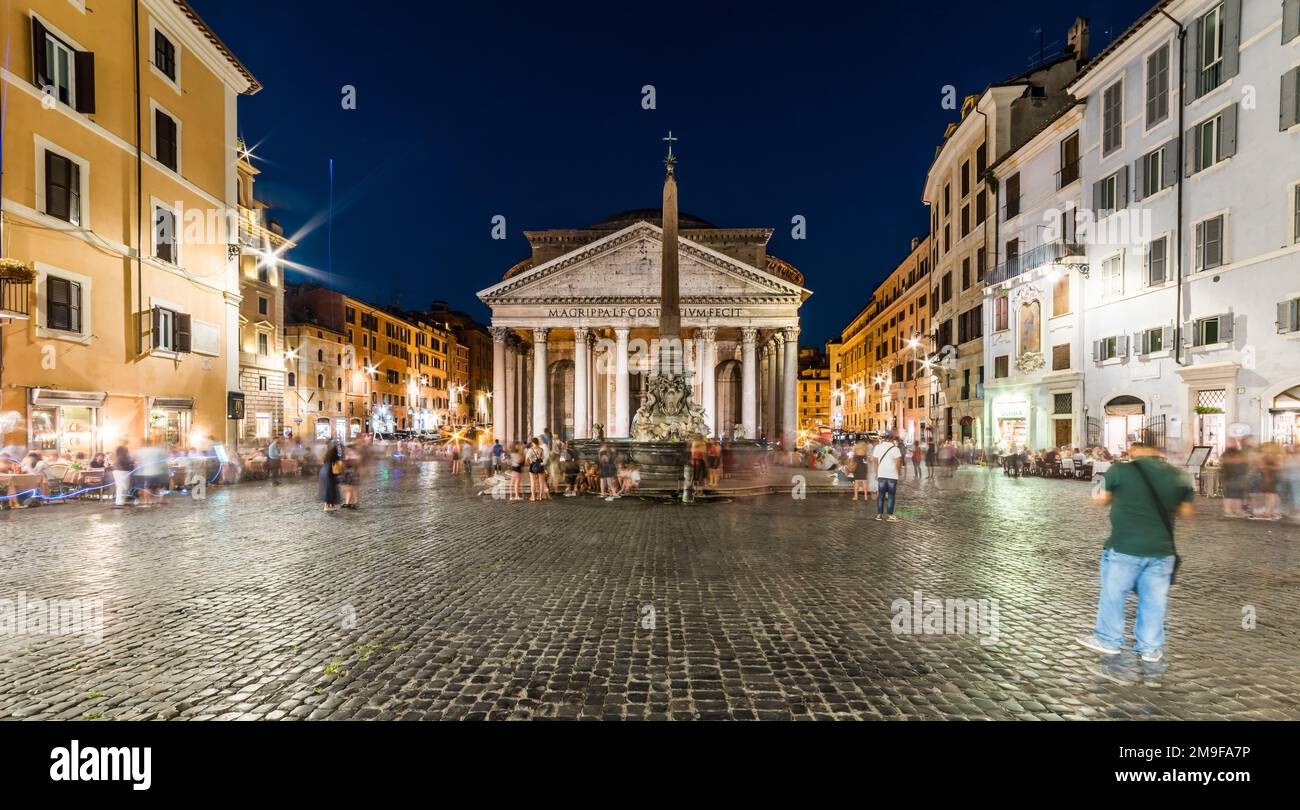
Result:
1144,496
888,457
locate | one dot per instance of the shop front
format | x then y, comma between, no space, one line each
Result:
170,422
1284,418
1125,417
66,422
1010,415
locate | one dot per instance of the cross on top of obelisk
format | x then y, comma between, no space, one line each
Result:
671,159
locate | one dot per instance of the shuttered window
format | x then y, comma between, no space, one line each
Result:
1112,118
1157,86
1158,261
164,55
62,304
165,235
165,139
1207,244
62,188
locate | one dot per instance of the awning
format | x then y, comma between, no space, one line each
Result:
171,403
57,398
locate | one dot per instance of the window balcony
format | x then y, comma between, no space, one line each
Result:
1033,259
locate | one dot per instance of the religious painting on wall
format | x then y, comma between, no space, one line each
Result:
1030,339
1029,322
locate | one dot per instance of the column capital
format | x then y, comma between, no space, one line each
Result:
791,333
589,338
749,335
580,334
622,333
499,333
709,333
778,340
539,334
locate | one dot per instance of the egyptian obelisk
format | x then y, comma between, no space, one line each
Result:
670,316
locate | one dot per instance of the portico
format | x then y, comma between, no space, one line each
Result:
579,330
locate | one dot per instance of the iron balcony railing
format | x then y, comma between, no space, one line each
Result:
1033,259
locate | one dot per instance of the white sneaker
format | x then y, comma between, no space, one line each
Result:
609,498
1091,642
1153,656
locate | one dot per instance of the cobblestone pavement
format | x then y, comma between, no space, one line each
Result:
433,603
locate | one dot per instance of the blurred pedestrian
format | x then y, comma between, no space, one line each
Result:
330,470
123,466
860,470
608,463
536,458
1144,496
888,457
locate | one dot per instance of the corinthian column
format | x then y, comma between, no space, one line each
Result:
580,382
499,334
790,388
749,380
622,385
708,393
541,418
778,371
505,399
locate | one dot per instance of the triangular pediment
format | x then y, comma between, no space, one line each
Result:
625,266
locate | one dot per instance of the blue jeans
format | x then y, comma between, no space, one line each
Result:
1149,576
885,486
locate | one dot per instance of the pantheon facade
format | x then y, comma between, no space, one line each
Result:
574,327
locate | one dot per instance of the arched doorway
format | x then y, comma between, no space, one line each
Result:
1125,416
727,397
559,400
1284,416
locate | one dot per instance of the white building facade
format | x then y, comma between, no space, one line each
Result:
1033,319
1190,155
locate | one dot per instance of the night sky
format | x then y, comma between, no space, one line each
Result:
535,113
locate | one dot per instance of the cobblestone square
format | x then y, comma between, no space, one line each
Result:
433,602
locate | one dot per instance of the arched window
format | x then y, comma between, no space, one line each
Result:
339,380
320,355
293,380
320,380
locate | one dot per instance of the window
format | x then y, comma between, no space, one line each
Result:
1290,95
1107,195
263,344
1151,341
1061,295
965,273
981,160
1212,330
170,330
263,305
1288,316
1207,244
1152,173
1112,118
1069,159
62,304
164,54
1001,309
1209,42
1109,348
1061,357
1157,86
981,208
261,383
947,199
947,238
293,380
979,264
1295,213
1013,195
165,134
965,220
965,178
62,73
1208,140
164,235
1013,257
1001,366
62,188
945,288
1157,261
1112,275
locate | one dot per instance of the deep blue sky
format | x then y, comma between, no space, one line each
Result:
534,112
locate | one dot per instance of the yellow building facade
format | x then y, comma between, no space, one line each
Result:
99,345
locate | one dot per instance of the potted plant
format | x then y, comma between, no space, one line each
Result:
17,271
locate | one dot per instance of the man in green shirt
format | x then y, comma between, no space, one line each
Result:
1144,495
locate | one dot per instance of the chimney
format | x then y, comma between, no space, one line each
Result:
1077,39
